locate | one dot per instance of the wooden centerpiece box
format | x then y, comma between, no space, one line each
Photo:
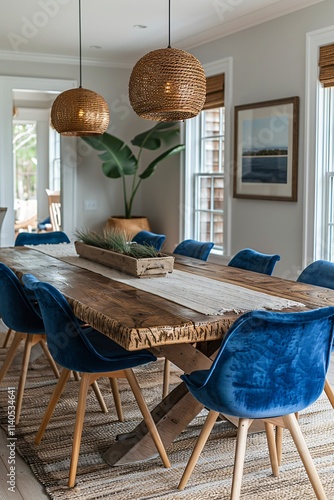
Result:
148,267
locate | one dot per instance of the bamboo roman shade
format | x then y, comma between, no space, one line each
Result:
214,91
326,65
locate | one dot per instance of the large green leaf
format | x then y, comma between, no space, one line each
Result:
118,159
151,168
153,138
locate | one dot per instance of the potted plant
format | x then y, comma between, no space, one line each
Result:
119,161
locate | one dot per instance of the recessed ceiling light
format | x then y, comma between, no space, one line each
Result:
141,26
96,47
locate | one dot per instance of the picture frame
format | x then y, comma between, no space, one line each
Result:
266,150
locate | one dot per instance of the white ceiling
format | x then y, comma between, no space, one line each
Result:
47,30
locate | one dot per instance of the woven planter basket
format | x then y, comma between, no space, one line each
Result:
80,112
167,85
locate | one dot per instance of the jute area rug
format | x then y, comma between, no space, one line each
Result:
211,478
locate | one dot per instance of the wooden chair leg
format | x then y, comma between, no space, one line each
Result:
7,338
23,376
64,376
240,451
76,376
117,398
272,447
329,393
166,375
292,424
99,397
279,444
150,424
85,382
49,358
202,439
18,337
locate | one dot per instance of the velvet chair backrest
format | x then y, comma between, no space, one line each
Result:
52,237
270,364
69,345
149,239
16,310
319,273
251,260
195,249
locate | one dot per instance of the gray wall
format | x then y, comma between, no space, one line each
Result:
269,63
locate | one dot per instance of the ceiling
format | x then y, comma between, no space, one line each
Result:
119,33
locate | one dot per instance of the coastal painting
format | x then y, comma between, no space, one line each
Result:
266,150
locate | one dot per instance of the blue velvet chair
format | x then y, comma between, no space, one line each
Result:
149,239
44,224
196,249
91,353
52,238
251,260
320,273
19,314
269,366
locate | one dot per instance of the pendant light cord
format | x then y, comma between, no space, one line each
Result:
80,86
169,46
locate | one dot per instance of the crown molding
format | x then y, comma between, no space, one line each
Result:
262,15
58,59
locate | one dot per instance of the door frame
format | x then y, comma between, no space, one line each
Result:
7,85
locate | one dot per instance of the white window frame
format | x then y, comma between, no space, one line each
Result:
314,226
192,156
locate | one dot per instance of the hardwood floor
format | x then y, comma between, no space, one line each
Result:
26,485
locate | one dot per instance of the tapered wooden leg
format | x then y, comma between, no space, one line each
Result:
272,447
117,398
18,337
279,444
147,416
7,338
166,375
49,358
76,376
329,393
99,397
292,424
202,439
85,382
240,451
64,376
23,376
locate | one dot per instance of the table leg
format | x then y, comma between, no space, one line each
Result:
171,416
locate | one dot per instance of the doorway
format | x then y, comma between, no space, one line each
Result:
48,88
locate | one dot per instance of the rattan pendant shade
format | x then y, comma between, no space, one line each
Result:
80,112
167,85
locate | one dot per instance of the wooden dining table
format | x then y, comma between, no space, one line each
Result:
138,319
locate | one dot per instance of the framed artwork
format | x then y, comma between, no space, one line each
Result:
266,150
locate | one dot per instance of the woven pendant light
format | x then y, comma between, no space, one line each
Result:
167,85
80,112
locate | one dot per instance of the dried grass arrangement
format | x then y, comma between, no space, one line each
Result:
117,241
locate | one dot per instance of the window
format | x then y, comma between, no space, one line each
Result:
209,179
205,159
324,185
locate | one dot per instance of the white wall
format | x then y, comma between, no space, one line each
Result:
269,63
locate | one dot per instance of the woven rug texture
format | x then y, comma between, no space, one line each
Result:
212,476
